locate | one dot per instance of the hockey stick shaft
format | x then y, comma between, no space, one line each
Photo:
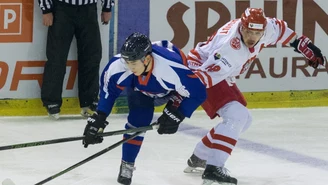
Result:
88,159
69,139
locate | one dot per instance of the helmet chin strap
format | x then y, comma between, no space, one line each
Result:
146,66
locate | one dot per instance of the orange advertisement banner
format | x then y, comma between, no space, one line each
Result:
16,21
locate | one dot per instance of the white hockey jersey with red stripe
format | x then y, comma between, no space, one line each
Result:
224,55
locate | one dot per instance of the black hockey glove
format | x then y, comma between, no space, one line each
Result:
171,118
311,52
96,124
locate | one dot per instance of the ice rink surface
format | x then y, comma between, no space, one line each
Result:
282,147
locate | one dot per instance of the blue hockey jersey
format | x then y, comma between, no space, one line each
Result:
168,74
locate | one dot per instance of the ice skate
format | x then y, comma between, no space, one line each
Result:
89,110
217,175
53,111
126,172
195,165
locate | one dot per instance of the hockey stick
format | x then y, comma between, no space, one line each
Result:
88,159
69,139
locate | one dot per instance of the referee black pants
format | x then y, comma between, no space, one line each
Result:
69,21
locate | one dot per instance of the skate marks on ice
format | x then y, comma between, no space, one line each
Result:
284,154
263,149
251,163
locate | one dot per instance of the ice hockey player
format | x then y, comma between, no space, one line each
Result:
151,73
226,54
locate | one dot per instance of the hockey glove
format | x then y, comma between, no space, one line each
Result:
311,52
171,118
96,124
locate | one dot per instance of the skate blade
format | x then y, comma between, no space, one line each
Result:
210,182
193,170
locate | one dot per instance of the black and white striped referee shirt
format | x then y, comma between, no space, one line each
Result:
47,5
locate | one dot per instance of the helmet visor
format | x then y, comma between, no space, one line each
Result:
130,59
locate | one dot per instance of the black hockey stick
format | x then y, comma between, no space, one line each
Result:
68,139
89,158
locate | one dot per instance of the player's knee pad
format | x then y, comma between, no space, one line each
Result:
248,122
235,116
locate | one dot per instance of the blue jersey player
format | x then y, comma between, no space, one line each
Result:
151,73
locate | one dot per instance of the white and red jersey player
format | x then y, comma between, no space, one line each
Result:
226,54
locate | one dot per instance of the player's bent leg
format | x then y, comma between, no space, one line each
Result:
222,140
141,113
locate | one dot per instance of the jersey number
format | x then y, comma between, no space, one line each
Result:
213,68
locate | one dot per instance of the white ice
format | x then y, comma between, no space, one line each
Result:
282,147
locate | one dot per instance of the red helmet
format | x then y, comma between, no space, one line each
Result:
254,19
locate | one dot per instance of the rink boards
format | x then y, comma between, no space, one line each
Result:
278,77
254,99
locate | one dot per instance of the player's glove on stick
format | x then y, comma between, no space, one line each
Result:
171,118
311,52
96,124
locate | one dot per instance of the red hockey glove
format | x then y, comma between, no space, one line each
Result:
311,52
